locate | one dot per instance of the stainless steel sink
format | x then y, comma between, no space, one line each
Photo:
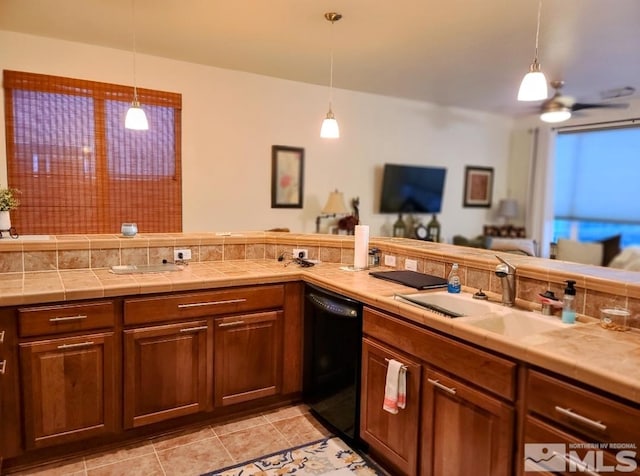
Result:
145,268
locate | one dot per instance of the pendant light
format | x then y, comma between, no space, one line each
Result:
330,129
135,119
534,84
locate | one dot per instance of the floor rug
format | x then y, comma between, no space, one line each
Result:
327,457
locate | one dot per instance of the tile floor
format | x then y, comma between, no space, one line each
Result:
194,452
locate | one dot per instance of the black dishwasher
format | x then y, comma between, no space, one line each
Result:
333,342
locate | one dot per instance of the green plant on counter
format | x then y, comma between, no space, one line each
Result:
8,199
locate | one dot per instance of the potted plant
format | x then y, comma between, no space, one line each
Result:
8,201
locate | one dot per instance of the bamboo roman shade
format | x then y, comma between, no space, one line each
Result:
77,167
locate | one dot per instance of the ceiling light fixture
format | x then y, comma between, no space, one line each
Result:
534,84
330,129
135,119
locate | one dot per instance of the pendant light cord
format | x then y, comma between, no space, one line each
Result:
331,80
133,23
535,58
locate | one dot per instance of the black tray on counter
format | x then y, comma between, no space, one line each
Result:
412,279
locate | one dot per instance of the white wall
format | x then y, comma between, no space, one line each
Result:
231,119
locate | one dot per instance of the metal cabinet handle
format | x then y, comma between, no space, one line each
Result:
581,465
194,329
436,383
72,346
404,367
210,303
229,324
598,425
3,367
1,337
68,318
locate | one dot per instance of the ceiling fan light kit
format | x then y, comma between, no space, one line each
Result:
534,84
330,129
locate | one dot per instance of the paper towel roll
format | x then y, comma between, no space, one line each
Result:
361,247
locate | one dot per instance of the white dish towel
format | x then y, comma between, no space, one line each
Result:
395,390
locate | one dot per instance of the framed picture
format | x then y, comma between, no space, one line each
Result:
478,186
287,176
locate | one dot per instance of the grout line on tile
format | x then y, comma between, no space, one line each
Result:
155,452
227,450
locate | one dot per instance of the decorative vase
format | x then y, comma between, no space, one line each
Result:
5,220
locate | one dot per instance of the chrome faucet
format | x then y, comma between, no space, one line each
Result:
507,273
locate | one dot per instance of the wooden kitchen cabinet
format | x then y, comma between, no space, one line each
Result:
167,372
10,408
462,419
464,431
558,411
69,388
248,357
392,438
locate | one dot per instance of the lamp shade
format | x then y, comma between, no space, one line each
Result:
533,86
335,204
330,129
136,119
508,208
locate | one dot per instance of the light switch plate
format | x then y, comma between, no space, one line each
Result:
389,260
411,264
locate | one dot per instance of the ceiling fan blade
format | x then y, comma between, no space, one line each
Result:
578,106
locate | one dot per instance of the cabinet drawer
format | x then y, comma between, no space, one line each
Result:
594,416
43,320
493,373
553,451
210,303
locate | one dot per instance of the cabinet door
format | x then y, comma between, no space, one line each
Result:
393,438
69,389
464,431
166,372
248,357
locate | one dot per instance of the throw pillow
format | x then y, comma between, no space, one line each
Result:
610,249
577,252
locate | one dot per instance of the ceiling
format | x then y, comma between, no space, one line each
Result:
465,53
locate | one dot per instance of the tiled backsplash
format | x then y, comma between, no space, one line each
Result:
597,286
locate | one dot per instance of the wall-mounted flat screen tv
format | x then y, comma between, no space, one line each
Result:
412,189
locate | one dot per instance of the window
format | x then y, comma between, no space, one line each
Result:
78,169
597,185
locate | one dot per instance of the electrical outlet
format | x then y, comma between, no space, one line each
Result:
389,260
411,264
300,253
182,254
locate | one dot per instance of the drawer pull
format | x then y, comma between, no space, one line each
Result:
194,329
3,367
68,318
1,337
581,466
587,421
437,383
210,303
73,346
229,324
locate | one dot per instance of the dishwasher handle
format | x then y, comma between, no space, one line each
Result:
332,306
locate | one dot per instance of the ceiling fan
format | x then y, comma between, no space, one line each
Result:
559,108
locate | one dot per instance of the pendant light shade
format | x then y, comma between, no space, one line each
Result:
135,119
534,83
330,129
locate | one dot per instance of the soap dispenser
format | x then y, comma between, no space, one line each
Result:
568,303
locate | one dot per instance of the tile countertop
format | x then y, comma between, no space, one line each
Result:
587,353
